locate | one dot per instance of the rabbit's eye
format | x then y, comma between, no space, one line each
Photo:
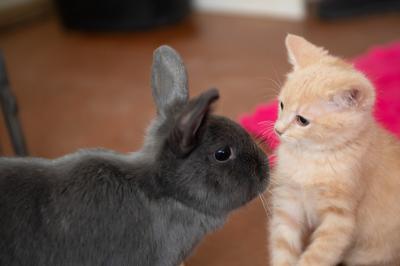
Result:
281,104
223,154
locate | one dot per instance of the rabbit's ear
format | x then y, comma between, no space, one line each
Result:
187,129
168,78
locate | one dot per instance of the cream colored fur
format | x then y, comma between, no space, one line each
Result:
336,185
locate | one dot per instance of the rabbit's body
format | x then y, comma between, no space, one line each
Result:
112,212
150,208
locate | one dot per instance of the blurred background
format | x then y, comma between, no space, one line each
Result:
79,71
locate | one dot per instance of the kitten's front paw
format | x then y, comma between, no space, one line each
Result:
283,263
286,263
309,261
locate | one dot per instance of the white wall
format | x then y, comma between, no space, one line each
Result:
290,9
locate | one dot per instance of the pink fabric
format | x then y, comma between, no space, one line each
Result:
380,64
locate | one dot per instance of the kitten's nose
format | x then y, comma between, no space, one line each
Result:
278,132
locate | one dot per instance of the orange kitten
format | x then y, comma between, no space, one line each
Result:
336,195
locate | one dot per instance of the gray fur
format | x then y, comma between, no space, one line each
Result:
149,208
169,78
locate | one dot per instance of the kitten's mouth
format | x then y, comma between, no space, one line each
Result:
287,139
282,137
278,132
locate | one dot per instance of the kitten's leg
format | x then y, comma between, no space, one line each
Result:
331,238
286,228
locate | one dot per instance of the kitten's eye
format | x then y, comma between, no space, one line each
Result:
302,121
223,154
281,104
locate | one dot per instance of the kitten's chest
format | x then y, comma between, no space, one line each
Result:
310,177
309,202
306,170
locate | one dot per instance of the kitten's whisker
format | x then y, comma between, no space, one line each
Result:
267,205
276,84
266,122
268,126
266,209
268,134
276,75
268,130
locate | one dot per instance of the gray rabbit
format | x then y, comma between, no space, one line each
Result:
152,207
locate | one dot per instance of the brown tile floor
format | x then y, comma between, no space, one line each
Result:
85,90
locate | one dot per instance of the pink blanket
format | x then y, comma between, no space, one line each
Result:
380,64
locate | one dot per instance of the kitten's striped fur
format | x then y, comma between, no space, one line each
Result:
336,195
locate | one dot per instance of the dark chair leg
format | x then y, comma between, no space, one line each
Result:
10,111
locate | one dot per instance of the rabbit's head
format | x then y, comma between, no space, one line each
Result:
204,161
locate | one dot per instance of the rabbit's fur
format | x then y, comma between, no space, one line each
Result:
99,207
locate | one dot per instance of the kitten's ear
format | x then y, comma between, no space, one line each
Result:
301,52
347,98
188,126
